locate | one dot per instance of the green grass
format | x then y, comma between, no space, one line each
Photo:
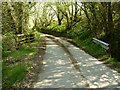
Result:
114,62
90,47
14,73
0,72
23,51
84,40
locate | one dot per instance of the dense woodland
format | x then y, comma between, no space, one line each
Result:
78,21
101,20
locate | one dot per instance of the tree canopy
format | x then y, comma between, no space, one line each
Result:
101,19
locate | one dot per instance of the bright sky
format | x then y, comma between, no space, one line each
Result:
39,11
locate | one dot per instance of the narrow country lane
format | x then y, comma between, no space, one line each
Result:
66,66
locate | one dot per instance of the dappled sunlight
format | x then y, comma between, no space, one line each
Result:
59,72
60,62
57,69
57,38
95,71
40,36
44,83
31,54
52,45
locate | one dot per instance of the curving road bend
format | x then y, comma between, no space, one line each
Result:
67,66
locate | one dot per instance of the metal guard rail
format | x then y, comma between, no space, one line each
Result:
101,43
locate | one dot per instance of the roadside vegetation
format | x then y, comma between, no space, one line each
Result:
83,21
83,39
19,43
77,21
17,63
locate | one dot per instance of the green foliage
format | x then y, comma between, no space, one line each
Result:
37,35
54,29
79,22
8,41
14,73
84,40
59,28
23,51
114,62
90,47
6,54
71,34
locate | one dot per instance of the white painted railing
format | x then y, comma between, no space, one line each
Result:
101,43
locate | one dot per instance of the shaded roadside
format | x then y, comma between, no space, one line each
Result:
31,76
104,59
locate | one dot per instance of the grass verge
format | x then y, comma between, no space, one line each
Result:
84,41
17,63
14,73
